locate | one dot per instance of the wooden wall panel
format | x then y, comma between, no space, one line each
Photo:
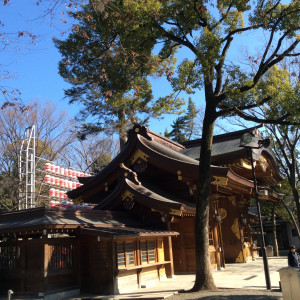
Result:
127,281
97,269
231,231
191,260
84,264
184,247
33,274
28,274
149,275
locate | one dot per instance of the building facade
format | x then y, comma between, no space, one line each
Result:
141,227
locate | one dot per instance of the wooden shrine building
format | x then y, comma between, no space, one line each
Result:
141,228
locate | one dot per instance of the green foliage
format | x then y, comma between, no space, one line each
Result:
191,115
188,79
177,133
103,160
184,127
108,71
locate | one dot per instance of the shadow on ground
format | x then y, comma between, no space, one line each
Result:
230,294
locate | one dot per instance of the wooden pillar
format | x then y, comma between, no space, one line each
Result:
169,256
242,240
23,251
46,258
114,266
217,245
222,256
183,253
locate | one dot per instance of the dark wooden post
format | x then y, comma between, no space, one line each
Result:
114,266
45,257
183,253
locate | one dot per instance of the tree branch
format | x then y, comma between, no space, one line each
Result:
221,64
175,38
226,110
279,121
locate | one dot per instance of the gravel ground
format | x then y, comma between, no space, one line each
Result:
232,294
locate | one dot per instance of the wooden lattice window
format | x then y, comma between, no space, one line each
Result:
61,257
125,254
9,257
148,252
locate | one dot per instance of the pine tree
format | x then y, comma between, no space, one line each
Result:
190,124
177,134
111,83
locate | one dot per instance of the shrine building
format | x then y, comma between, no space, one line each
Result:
141,227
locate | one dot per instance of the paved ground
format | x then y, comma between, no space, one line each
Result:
236,281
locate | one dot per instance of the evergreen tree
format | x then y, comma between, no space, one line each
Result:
190,126
177,133
110,82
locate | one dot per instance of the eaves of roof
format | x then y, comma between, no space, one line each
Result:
126,232
47,217
143,196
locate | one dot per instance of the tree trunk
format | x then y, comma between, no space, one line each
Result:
293,220
204,279
122,127
275,243
296,199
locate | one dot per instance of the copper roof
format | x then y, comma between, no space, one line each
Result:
104,223
57,216
169,156
143,195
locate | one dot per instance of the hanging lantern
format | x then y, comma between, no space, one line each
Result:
47,179
52,192
52,180
47,167
57,169
70,184
66,172
62,171
57,193
56,181
61,182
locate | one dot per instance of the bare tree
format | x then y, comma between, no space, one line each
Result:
52,136
92,154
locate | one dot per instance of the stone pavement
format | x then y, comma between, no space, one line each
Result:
245,276
235,276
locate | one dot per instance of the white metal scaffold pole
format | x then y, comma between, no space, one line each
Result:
27,170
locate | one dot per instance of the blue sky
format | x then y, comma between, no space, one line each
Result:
35,66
